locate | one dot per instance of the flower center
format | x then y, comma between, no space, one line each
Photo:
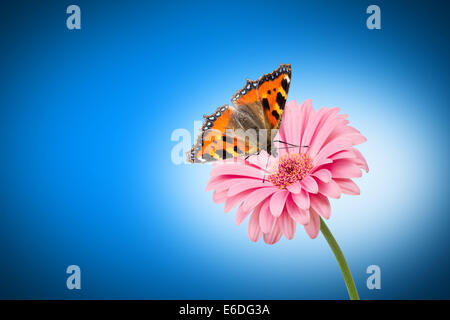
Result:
290,169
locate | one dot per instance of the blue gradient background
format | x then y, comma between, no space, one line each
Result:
86,175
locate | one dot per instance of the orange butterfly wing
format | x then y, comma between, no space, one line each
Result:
260,103
213,143
270,91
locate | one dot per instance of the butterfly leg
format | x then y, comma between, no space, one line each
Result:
265,171
252,155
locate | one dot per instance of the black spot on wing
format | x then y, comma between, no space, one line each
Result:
236,149
281,100
224,154
227,139
207,157
265,104
285,85
275,114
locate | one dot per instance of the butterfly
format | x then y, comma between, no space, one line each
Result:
249,125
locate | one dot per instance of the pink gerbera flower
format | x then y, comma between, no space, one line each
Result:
316,160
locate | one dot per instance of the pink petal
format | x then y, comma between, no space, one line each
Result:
277,202
301,199
349,133
280,150
330,189
319,163
329,121
291,126
344,154
322,174
219,196
284,146
272,237
262,160
280,147
361,160
287,225
299,215
295,120
307,112
313,227
246,184
339,122
241,214
345,168
233,201
237,170
221,183
347,186
254,231
356,138
310,184
266,219
215,181
296,187
312,126
331,148
257,196
321,205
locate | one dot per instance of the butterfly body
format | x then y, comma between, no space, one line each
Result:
247,126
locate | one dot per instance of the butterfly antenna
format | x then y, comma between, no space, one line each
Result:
290,145
248,156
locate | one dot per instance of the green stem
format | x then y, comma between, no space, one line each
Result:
352,292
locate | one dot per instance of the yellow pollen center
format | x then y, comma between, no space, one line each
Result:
291,168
